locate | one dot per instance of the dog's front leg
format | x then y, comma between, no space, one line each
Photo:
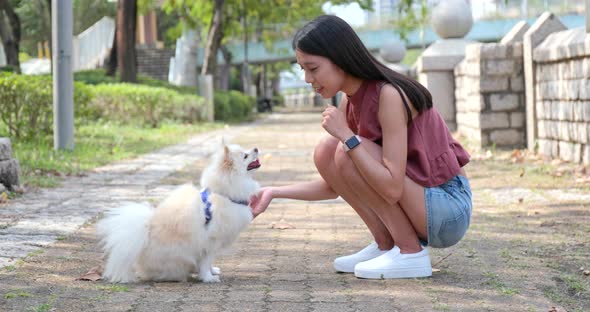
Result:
205,273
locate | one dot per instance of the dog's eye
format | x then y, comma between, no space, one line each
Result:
245,156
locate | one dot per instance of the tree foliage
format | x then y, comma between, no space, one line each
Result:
222,21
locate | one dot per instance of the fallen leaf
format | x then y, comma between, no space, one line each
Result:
93,275
281,225
586,272
3,197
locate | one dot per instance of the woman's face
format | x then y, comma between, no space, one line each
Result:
324,76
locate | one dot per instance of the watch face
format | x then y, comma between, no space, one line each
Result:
352,142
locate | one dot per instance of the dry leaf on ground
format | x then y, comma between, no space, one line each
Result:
281,225
92,275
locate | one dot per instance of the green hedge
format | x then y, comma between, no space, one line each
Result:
145,105
233,106
26,104
98,76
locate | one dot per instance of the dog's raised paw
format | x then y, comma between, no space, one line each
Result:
215,270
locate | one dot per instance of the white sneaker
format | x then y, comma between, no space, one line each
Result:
346,263
393,264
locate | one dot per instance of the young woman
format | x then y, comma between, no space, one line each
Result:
389,155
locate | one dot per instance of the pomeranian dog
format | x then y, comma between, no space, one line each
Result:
188,230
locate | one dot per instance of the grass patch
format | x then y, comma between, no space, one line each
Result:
574,285
17,294
95,144
495,282
114,288
10,268
43,307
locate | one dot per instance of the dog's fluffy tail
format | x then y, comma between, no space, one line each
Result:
123,233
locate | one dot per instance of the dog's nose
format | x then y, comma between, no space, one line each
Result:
255,150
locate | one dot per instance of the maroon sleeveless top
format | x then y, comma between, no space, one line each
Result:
434,157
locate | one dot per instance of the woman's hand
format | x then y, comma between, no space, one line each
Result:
334,122
260,201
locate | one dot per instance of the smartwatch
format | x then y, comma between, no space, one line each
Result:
352,142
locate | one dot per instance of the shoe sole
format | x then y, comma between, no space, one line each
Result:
413,273
342,268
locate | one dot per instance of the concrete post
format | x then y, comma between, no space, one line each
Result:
2,56
206,91
63,77
436,72
546,24
451,20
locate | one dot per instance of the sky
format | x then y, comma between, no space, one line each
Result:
355,16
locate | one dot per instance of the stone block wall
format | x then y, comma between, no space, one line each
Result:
562,89
489,95
9,168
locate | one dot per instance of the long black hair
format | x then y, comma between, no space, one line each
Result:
331,37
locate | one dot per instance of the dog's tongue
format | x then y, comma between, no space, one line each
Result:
253,165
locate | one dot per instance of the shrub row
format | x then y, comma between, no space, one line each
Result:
148,106
233,106
26,103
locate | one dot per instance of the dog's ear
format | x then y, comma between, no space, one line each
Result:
227,160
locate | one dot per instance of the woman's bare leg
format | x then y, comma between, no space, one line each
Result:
324,156
406,220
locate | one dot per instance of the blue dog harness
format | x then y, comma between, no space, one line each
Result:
205,199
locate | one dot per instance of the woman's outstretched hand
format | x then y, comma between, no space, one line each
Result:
334,122
260,201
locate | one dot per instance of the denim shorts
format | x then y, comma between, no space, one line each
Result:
448,211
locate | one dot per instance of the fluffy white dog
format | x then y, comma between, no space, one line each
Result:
188,230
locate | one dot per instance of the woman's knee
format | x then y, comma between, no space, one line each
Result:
323,154
343,163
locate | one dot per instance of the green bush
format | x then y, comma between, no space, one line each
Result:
8,69
93,77
26,105
233,106
144,105
98,76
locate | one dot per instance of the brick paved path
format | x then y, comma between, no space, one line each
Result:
43,248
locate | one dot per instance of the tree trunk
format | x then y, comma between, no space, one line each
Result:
10,34
224,78
213,40
49,25
111,63
126,54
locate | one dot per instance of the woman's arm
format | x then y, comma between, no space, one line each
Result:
386,175
314,190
